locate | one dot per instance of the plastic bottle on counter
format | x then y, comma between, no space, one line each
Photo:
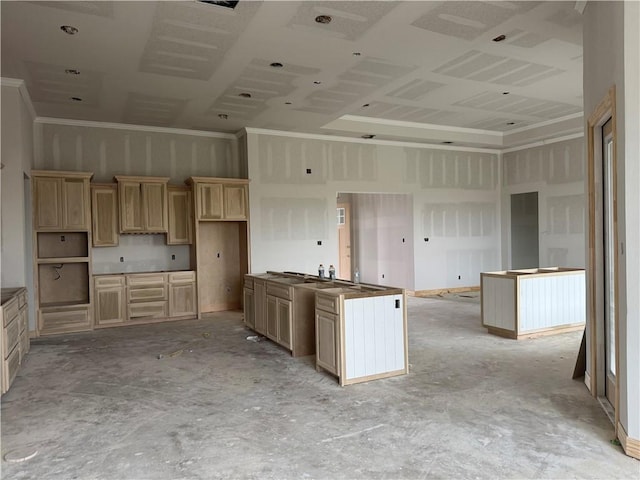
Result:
356,276
321,271
332,272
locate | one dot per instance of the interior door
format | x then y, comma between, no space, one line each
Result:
344,240
609,246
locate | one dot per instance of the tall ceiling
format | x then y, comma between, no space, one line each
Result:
402,70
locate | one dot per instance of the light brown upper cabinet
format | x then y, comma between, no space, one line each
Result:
104,214
143,204
180,216
61,200
220,198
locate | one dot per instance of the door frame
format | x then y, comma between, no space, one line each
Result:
604,111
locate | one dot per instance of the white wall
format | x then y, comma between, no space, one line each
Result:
611,57
17,156
455,203
557,171
108,150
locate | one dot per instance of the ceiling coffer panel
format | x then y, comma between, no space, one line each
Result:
189,39
263,83
407,113
144,109
50,84
479,66
519,105
469,20
415,89
350,20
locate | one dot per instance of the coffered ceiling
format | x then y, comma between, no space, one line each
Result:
402,70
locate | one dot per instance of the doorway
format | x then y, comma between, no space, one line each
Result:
524,230
344,240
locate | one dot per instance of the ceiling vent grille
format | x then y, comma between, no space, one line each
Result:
221,3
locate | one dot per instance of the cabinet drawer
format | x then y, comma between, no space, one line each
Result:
282,291
10,367
182,277
248,282
23,320
109,281
147,310
64,319
146,280
10,310
328,303
146,294
11,335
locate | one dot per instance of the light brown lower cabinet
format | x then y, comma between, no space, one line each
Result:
64,319
14,327
126,299
328,338
279,320
260,306
249,308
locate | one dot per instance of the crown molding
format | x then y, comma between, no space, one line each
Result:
126,126
22,87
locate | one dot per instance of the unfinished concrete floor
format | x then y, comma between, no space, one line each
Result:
101,405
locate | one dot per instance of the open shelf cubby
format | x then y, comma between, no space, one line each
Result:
63,284
63,244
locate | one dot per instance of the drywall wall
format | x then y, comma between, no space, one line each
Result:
17,155
556,171
611,57
140,253
295,180
108,150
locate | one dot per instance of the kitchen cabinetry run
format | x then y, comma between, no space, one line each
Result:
104,215
62,254
14,329
142,204
180,216
60,200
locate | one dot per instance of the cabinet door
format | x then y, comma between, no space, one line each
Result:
109,306
249,309
182,300
130,194
272,318
104,216
48,203
179,217
235,205
284,323
209,201
154,207
260,305
327,342
74,205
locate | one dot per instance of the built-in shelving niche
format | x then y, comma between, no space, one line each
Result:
63,245
63,284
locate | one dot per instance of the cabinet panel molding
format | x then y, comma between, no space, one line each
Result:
180,227
104,215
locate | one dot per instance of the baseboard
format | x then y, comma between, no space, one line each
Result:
631,446
441,291
587,381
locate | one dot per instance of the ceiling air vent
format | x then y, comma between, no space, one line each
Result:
228,4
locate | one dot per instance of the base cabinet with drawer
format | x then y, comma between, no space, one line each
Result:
14,344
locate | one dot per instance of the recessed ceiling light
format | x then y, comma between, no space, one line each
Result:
511,123
276,65
72,71
223,116
499,38
366,105
505,93
287,103
368,136
323,19
244,95
356,54
447,142
68,29
76,99
317,82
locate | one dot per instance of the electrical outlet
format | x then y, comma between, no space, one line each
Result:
308,171
62,239
121,259
426,239
218,255
383,275
173,256
459,277
319,242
